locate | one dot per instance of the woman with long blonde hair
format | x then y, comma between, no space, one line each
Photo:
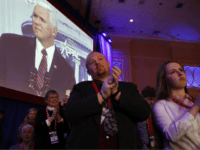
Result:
176,113
29,119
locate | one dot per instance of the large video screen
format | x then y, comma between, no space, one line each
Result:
25,32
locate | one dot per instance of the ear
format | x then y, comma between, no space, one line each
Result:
88,72
109,64
54,31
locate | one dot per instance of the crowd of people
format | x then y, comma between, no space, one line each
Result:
105,113
108,114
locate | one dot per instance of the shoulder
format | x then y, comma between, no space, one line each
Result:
41,111
14,36
22,124
15,146
83,84
12,40
161,104
127,85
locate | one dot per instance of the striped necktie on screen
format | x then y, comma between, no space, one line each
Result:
42,70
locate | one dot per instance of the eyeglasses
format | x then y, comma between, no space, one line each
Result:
53,97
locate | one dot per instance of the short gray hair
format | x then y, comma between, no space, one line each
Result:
53,19
26,126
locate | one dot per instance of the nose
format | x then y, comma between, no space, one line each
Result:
97,62
179,73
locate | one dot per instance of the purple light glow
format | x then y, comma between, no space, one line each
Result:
105,49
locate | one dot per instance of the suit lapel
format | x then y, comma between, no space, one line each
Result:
30,53
89,90
54,64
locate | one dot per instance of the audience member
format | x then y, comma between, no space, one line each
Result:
146,127
50,124
104,112
29,119
176,113
27,133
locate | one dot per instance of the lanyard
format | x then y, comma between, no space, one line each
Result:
48,118
97,91
21,146
181,104
150,126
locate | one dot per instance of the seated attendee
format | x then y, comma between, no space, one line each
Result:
27,133
50,124
104,112
146,127
176,113
29,119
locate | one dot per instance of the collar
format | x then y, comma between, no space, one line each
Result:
185,101
50,108
29,146
98,84
97,81
50,51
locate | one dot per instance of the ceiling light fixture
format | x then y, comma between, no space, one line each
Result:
131,20
109,40
104,34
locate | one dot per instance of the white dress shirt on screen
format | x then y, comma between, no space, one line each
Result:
180,128
38,55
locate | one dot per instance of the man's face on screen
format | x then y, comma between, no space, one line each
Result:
97,65
41,24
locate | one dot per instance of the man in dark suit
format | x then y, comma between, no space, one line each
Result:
21,55
104,112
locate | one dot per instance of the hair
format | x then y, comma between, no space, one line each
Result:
163,90
53,19
26,119
48,93
26,126
148,92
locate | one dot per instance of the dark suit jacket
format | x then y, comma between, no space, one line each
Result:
83,112
17,59
42,140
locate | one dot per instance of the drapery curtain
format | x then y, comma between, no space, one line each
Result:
105,49
15,111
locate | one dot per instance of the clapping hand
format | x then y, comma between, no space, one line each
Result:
116,75
111,84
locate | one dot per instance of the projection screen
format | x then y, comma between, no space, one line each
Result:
19,67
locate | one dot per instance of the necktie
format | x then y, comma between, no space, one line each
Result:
110,124
42,70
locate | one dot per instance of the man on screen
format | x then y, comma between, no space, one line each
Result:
104,112
33,64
